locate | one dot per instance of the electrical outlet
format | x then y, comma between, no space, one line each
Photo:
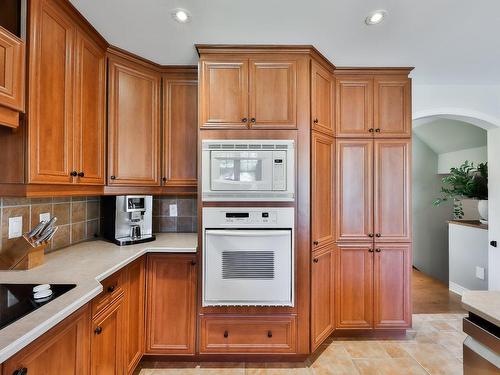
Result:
45,216
15,227
172,209
480,272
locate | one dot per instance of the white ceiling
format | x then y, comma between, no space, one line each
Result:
443,135
448,41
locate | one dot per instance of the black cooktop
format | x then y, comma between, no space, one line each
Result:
16,300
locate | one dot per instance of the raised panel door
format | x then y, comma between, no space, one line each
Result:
392,106
180,132
50,118
322,173
273,93
354,168
392,269
62,350
224,93
107,343
392,190
354,108
354,286
90,111
322,295
11,71
134,124
322,103
171,304
135,312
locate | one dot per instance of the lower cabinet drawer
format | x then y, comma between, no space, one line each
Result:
248,334
112,289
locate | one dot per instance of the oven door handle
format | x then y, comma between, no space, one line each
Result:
249,233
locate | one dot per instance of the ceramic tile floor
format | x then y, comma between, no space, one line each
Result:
433,346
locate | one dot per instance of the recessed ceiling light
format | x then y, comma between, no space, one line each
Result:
376,17
181,15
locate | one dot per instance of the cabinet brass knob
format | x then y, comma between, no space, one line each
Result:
113,177
98,330
315,120
193,262
315,242
253,119
244,119
371,130
21,371
378,235
111,289
370,250
377,130
226,334
269,334
370,235
81,174
73,173
378,250
315,260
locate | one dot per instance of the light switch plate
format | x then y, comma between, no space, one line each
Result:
45,216
173,210
15,227
480,272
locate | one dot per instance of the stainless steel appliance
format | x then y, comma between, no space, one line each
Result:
248,170
481,348
248,256
127,219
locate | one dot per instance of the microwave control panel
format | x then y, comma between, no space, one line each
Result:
252,217
279,170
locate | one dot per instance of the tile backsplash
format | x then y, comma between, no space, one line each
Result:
77,217
165,221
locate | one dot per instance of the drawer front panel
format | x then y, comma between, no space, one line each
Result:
112,288
266,334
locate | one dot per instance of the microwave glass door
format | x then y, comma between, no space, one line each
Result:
241,170
248,267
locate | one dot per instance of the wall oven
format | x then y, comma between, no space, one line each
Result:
248,256
248,170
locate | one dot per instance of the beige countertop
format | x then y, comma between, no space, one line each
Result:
84,264
485,304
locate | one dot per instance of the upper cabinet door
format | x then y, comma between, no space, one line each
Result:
392,98
322,99
273,93
392,267
322,174
392,190
90,111
50,119
224,93
354,214
180,108
11,71
134,124
354,109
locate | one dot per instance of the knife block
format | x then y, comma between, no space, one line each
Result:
22,255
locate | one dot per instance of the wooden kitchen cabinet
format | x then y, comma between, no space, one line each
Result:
133,123
354,286
322,99
107,342
180,117
65,349
392,267
171,304
12,62
323,180
322,295
392,106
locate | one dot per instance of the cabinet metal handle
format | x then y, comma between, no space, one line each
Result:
315,260
244,119
377,130
370,235
98,330
269,334
315,242
371,130
113,177
164,179
378,235
21,371
73,173
81,174
370,250
226,334
378,250
253,119
193,262
315,121
111,289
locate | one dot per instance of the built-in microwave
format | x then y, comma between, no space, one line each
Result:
248,170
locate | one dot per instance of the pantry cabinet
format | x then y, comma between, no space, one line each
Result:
392,106
62,350
133,123
322,99
171,304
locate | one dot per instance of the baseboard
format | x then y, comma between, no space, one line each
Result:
456,288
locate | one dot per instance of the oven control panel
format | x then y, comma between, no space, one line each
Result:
248,217
264,217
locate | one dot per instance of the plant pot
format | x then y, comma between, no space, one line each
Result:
482,207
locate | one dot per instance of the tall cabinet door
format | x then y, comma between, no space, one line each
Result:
322,295
392,269
322,173
354,286
134,124
354,108
354,214
180,98
392,190
90,111
224,93
322,89
273,93
392,106
50,119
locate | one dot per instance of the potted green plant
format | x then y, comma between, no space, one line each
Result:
466,181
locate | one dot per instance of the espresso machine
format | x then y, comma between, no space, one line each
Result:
127,219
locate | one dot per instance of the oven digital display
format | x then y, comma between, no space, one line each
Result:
238,215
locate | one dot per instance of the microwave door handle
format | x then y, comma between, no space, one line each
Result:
247,233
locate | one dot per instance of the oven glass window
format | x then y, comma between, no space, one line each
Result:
246,170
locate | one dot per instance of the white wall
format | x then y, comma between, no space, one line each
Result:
494,208
448,160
